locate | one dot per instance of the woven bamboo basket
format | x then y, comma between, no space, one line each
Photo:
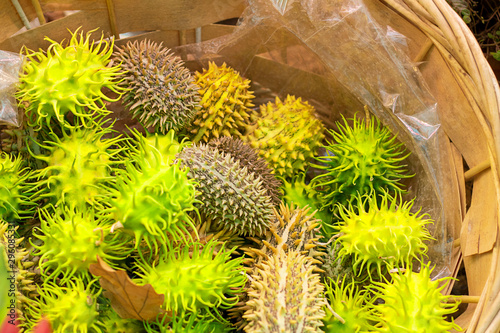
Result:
449,59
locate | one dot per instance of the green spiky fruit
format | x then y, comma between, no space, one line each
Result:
249,158
79,167
386,234
351,307
230,195
152,199
286,134
72,240
301,194
72,308
195,278
18,281
364,157
225,103
162,94
14,203
285,296
413,303
68,80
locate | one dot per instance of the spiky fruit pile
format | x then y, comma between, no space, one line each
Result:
351,309
181,217
162,93
383,235
79,167
364,157
68,80
225,103
287,134
72,308
413,302
196,280
71,241
14,202
249,158
152,199
285,296
232,196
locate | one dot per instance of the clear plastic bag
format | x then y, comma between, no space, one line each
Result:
10,66
337,57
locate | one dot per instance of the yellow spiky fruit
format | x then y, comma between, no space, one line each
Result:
285,296
225,103
286,134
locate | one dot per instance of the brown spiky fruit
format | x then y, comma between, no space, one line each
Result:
234,198
162,94
285,296
249,158
225,103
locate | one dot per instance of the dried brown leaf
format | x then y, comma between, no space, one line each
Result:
128,299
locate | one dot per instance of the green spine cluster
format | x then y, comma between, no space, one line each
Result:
162,93
249,158
285,296
225,103
385,235
363,158
79,167
14,203
286,134
413,302
195,278
229,194
68,80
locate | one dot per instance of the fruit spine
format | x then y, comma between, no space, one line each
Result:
234,198
14,203
162,93
225,103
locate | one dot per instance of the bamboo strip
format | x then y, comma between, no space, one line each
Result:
112,18
423,51
471,173
21,14
464,299
39,11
